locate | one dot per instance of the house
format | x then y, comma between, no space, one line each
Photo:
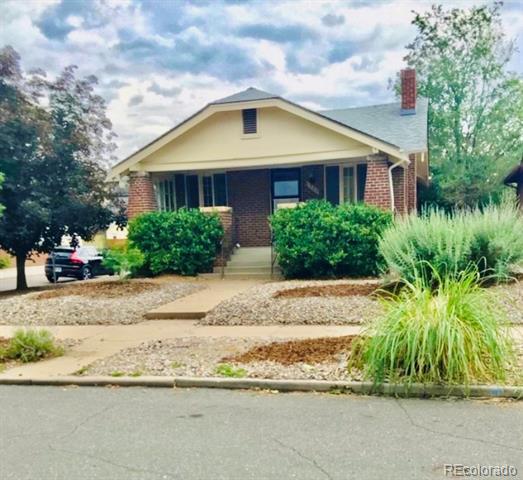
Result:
515,179
244,155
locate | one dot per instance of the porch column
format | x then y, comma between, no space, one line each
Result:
226,219
377,188
412,188
141,194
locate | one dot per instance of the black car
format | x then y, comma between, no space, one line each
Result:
82,263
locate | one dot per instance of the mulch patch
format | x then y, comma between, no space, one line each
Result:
111,289
343,290
309,350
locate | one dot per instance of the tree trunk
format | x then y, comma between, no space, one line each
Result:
21,281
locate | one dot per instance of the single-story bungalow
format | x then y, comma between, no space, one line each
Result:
245,155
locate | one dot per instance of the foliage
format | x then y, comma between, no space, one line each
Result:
5,261
227,370
437,245
55,140
451,335
124,260
317,239
1,181
475,104
184,241
31,345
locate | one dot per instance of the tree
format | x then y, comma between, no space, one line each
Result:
54,142
475,104
1,181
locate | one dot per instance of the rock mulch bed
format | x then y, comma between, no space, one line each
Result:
511,297
194,356
92,303
283,303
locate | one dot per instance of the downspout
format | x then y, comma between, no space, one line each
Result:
391,184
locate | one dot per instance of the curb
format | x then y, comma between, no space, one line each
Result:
415,390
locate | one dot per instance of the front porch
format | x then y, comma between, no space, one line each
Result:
245,198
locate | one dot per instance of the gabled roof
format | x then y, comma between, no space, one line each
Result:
408,132
249,95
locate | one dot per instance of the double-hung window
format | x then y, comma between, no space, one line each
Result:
345,183
215,190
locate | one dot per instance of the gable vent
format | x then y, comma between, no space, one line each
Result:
249,120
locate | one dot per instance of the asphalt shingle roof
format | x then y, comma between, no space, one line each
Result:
408,132
248,95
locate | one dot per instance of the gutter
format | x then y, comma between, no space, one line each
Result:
402,163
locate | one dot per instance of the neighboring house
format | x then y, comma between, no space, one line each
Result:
515,179
253,151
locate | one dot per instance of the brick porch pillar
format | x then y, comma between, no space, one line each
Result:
226,219
377,189
141,194
412,188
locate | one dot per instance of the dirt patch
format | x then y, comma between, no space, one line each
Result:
310,350
343,290
111,289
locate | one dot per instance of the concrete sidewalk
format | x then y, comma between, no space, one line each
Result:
198,304
100,341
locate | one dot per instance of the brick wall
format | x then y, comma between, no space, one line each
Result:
141,194
399,183
249,197
377,191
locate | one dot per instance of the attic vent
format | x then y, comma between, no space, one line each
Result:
249,120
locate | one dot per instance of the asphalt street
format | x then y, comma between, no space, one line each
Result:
136,433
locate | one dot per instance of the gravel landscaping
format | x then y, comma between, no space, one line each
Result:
194,356
340,302
267,305
100,307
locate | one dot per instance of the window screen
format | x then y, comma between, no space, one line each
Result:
249,120
220,189
332,183
207,191
361,173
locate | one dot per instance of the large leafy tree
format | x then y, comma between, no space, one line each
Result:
476,104
55,140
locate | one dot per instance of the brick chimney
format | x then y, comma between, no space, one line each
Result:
408,91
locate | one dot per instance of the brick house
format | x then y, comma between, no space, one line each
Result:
245,155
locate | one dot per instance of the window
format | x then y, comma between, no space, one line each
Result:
285,186
215,190
345,183
171,193
250,122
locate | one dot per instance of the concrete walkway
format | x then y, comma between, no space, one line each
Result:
100,341
198,304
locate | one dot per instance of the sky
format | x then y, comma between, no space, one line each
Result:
159,61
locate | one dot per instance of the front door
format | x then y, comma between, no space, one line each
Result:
285,186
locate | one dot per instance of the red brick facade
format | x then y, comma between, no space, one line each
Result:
412,188
141,194
377,188
408,90
226,218
249,197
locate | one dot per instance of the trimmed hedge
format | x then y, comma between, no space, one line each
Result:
184,241
317,239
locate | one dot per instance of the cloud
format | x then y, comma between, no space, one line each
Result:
135,100
159,62
332,20
281,34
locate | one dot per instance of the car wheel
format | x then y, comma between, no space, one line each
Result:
52,279
86,273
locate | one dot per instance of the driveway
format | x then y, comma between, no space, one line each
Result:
135,433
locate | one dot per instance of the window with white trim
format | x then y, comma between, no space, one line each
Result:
171,192
352,182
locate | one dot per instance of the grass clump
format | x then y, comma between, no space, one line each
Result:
30,346
117,373
227,370
439,245
451,334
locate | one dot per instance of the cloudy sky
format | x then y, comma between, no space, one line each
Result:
158,61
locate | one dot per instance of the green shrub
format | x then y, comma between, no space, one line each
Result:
317,239
226,370
31,345
490,239
184,241
452,335
5,261
124,261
